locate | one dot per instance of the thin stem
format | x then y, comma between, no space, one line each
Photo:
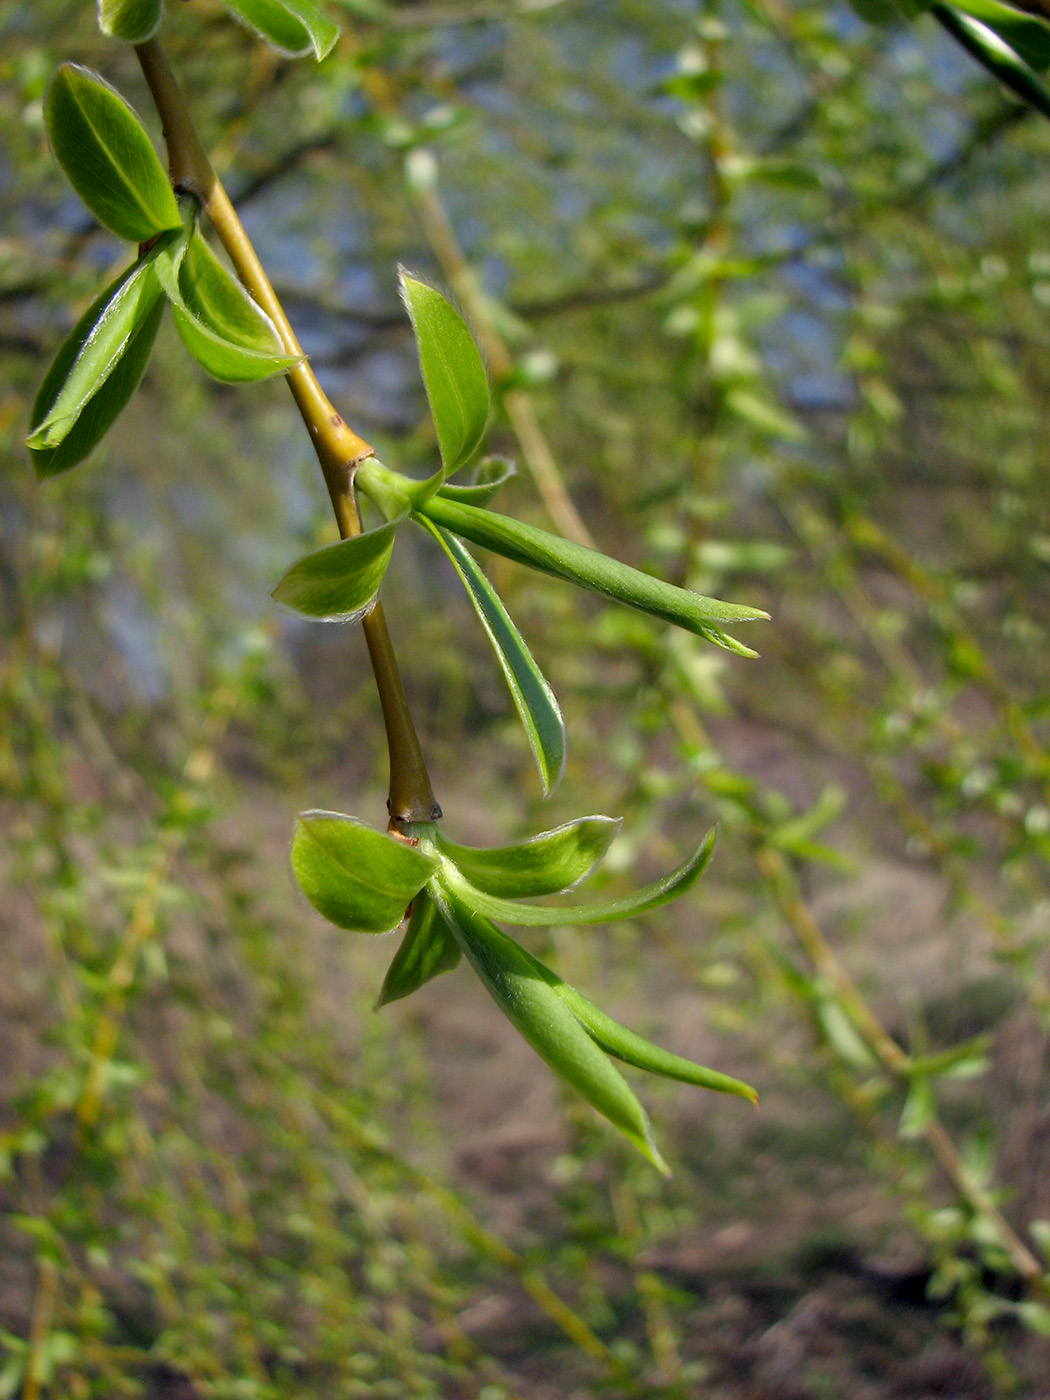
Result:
339,449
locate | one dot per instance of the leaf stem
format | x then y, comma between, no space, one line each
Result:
339,449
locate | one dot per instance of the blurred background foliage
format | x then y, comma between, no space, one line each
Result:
766,294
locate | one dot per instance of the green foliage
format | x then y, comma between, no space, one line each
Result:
350,875
844,423
107,157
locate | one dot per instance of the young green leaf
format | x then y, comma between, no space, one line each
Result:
650,897
133,21
426,950
107,156
356,877
622,1044
532,696
79,432
293,27
586,567
339,583
525,991
546,864
225,331
453,375
491,473
92,352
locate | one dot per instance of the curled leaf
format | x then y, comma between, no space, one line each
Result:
339,583
545,864
650,897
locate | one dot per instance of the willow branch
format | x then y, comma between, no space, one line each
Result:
339,449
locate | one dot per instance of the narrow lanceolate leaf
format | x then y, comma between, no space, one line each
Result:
996,55
453,375
67,427
526,993
340,583
356,877
650,897
588,569
133,21
533,698
219,323
427,950
622,1044
294,27
491,474
546,864
107,156
92,352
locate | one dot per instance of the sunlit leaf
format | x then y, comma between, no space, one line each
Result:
133,21
546,864
92,352
618,1041
1027,34
575,563
222,327
355,876
294,27
107,156
995,54
650,897
453,374
339,583
426,950
73,411
532,696
525,991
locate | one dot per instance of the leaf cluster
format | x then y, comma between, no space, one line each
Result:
362,880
